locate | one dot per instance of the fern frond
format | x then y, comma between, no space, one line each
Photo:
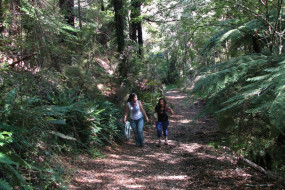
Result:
6,160
4,185
238,36
213,41
12,171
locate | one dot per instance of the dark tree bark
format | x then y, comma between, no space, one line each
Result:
173,74
136,25
140,38
67,7
255,45
102,5
79,15
120,26
1,17
133,23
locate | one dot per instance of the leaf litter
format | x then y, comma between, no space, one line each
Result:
187,162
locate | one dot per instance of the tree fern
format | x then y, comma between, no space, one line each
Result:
219,76
248,90
237,36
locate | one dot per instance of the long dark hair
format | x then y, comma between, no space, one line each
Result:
131,97
158,106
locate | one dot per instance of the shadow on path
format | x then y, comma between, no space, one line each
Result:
186,163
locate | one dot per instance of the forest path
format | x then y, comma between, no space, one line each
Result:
188,162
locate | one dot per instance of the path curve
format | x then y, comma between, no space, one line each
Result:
188,162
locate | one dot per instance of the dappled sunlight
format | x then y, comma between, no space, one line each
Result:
233,173
187,162
190,148
180,118
134,186
185,121
177,177
178,97
105,65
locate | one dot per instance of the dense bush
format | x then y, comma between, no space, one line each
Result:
41,118
247,95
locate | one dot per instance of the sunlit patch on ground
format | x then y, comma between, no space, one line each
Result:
177,97
187,162
177,177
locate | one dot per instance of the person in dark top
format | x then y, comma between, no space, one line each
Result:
161,112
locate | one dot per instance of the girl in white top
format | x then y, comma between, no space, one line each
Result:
135,108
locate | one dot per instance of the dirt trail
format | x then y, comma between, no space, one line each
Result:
188,162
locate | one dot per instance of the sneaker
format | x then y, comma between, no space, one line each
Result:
159,144
166,142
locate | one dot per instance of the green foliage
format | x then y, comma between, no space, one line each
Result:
49,102
246,90
240,36
5,185
247,94
63,120
9,160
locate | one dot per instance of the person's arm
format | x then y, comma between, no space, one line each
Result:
169,109
126,113
142,110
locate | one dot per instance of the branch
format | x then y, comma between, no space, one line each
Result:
208,25
275,25
160,21
261,169
22,59
251,11
255,14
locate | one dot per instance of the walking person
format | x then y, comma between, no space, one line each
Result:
161,111
135,108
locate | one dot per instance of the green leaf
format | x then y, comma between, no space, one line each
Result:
5,138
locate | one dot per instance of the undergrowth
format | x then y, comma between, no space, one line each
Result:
42,118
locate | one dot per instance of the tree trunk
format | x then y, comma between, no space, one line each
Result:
79,15
255,45
67,7
120,26
102,5
136,25
140,38
133,24
1,17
